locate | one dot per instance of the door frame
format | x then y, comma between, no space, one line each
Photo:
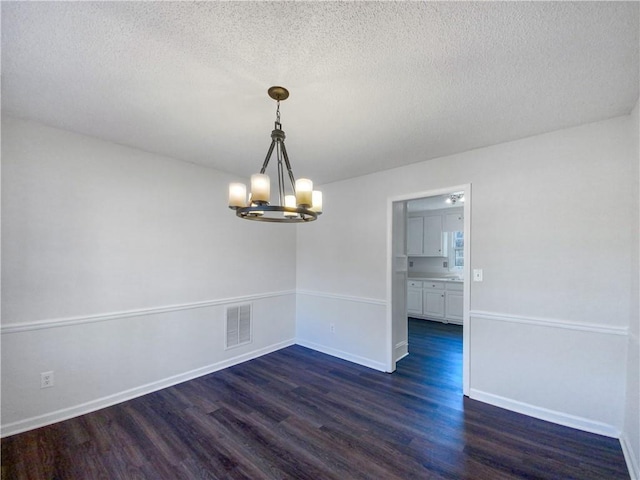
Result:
466,356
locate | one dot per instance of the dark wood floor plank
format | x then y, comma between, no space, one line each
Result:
300,414
284,461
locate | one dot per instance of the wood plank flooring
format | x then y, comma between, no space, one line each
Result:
300,414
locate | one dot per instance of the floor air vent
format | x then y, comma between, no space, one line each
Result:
238,325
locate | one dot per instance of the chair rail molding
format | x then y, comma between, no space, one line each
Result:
550,322
349,298
103,317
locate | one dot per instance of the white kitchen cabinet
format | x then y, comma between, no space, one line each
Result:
415,235
414,298
425,236
433,303
454,222
436,300
453,307
433,239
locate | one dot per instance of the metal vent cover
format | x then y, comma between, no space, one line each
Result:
238,326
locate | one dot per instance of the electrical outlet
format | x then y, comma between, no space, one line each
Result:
46,379
332,327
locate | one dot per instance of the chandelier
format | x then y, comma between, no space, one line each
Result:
297,203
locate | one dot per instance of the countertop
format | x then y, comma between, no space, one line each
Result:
432,278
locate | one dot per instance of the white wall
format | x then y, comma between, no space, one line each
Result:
631,430
117,267
549,226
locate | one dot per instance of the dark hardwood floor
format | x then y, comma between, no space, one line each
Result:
300,414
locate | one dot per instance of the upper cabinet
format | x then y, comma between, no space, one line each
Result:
425,236
426,232
415,235
454,222
434,245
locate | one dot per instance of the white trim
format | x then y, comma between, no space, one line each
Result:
103,317
349,298
366,362
93,405
446,321
429,193
553,416
630,456
466,293
402,348
550,322
632,464
388,344
406,354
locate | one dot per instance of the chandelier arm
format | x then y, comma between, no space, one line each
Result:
281,192
286,162
268,157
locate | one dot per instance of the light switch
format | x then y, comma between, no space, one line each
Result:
477,274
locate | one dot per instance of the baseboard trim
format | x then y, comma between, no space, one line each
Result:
401,350
549,322
348,298
553,416
366,362
406,354
632,462
445,321
79,320
93,405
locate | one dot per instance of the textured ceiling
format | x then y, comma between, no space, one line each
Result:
374,85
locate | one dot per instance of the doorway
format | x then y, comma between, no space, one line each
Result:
399,272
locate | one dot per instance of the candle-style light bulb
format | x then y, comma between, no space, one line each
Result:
316,201
237,195
290,201
260,188
304,187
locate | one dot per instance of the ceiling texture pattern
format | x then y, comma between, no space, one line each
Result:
374,85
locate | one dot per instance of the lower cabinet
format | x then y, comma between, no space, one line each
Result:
435,300
414,298
454,306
